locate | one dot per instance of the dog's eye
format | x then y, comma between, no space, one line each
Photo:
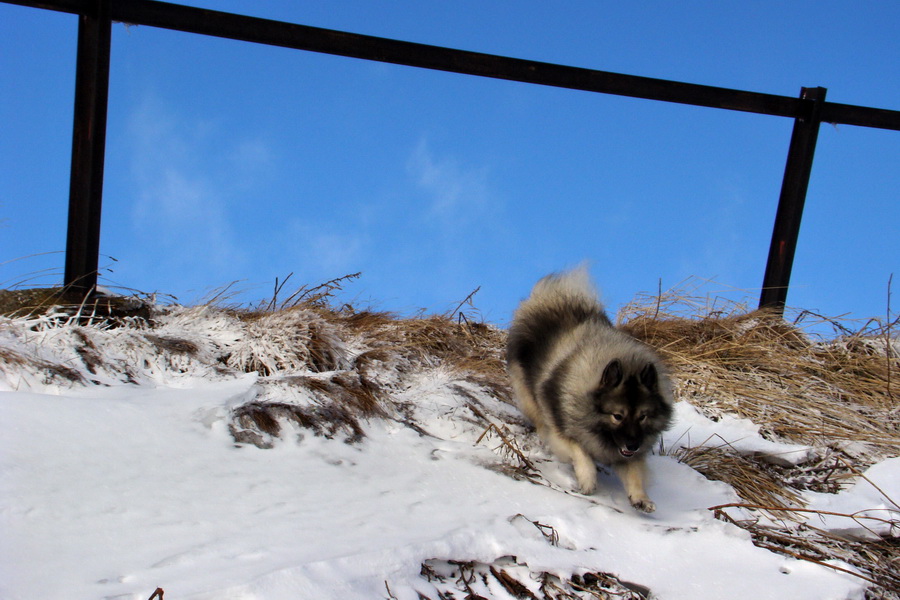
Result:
642,418
618,418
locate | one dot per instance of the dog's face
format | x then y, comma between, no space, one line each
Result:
631,411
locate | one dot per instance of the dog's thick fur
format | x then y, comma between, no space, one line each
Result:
593,392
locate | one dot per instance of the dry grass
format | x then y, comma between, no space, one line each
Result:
116,310
17,303
334,406
758,366
52,373
506,577
475,351
286,341
752,479
364,357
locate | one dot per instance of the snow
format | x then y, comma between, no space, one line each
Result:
736,433
870,501
113,490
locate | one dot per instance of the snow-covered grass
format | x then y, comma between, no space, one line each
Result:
305,454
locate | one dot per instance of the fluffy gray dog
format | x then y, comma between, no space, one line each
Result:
593,392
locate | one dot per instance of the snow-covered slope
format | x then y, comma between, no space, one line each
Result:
120,473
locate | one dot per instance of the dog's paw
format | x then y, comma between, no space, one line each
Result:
643,504
587,488
586,474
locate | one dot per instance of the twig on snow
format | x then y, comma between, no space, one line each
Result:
158,593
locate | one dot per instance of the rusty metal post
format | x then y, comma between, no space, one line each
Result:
88,148
790,204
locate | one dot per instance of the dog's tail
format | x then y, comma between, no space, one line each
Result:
570,297
569,287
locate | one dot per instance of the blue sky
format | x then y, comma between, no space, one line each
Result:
231,162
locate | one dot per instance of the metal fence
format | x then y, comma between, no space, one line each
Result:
92,90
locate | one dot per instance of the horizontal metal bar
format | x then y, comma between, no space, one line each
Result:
74,7
848,114
301,37
278,33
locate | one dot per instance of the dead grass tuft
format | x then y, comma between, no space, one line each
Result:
753,479
320,295
475,351
259,423
329,407
287,340
12,359
360,395
507,577
758,366
111,311
51,372
370,354
27,302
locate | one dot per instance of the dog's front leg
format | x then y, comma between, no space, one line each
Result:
585,470
571,451
632,474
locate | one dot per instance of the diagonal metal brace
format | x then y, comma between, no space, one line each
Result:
790,204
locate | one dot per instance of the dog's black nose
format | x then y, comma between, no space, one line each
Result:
632,446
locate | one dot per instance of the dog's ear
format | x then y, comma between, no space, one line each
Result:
612,374
649,377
